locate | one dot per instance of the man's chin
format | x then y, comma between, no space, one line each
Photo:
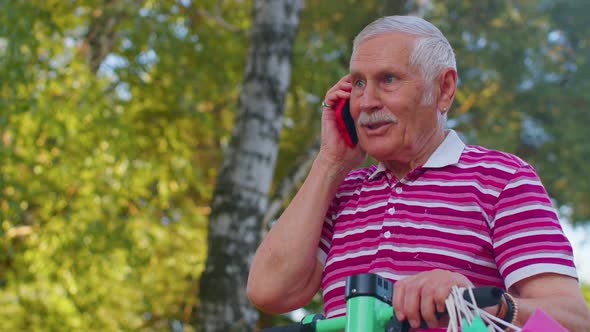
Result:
381,155
381,148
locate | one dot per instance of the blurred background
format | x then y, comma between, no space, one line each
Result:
133,185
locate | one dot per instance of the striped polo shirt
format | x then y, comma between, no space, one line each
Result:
468,209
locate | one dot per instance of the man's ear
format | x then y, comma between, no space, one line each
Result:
447,85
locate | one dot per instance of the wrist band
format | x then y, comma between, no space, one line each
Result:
515,306
502,307
511,309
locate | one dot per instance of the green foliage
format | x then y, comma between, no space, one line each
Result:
106,176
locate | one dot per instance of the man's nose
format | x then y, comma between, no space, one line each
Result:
370,99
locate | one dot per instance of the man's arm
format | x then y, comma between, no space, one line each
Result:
529,241
558,295
285,272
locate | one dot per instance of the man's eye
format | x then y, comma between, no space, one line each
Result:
389,78
359,83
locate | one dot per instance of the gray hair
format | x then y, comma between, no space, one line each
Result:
432,52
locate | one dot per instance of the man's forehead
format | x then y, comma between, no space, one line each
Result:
390,51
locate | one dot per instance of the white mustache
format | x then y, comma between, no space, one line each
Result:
375,117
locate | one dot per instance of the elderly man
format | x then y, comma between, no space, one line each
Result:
434,213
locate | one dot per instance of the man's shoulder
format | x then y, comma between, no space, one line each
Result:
479,155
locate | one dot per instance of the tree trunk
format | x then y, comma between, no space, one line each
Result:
241,194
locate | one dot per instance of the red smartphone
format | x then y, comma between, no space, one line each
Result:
346,123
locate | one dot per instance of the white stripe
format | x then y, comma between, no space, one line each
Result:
374,188
440,229
363,189
523,234
338,312
521,182
321,256
357,231
454,183
534,256
345,193
488,165
504,157
442,252
358,174
389,275
456,207
365,208
438,204
355,254
334,285
356,177
531,270
454,254
524,208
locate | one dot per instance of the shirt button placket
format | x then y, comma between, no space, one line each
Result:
391,210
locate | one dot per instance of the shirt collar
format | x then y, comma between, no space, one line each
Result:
447,153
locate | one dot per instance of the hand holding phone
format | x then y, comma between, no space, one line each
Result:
346,123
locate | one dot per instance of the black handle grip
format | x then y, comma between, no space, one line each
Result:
394,325
485,296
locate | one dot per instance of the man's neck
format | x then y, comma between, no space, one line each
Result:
401,168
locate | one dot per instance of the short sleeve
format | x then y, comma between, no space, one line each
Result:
327,232
527,237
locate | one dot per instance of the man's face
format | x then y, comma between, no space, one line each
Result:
396,125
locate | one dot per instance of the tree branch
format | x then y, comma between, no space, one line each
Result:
218,18
290,183
102,31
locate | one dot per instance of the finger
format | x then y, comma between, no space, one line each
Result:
440,296
398,296
342,86
345,86
342,94
333,98
339,87
411,305
427,306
